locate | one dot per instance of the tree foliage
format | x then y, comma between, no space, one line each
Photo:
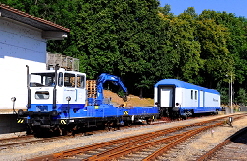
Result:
143,43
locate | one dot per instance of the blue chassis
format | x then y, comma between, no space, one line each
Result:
82,113
199,109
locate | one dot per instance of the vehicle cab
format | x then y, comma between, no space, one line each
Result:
55,89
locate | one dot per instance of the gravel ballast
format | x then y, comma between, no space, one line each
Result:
204,141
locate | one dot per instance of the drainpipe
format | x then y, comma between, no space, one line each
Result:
28,88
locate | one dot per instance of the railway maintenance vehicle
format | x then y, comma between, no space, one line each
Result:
58,102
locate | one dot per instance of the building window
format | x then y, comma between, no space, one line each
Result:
191,93
195,95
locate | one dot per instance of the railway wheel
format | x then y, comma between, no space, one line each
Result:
108,126
216,112
63,131
184,117
29,130
148,121
128,123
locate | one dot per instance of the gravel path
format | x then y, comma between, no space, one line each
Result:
204,141
208,140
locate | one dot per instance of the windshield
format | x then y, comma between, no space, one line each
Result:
42,79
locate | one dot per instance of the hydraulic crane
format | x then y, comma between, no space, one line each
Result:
107,77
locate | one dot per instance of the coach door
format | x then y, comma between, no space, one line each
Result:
201,101
166,96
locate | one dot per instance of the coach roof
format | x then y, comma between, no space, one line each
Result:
182,84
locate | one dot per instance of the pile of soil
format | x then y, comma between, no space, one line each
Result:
132,101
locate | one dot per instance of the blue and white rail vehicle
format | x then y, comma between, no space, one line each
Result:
177,98
57,102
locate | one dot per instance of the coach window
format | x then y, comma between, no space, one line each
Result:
195,95
60,79
191,93
80,81
69,80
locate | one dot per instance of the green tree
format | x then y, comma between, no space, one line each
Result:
165,10
213,38
236,43
185,49
242,97
143,43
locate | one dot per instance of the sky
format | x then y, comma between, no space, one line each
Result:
238,7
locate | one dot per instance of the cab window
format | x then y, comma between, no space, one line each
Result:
80,81
60,79
69,80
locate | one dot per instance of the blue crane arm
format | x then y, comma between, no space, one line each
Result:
107,77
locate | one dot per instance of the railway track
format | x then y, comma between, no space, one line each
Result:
25,140
147,146
30,139
6,142
233,147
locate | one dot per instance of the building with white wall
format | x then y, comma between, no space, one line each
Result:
23,40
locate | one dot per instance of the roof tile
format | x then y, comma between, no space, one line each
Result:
24,14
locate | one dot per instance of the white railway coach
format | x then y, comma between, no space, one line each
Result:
178,98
